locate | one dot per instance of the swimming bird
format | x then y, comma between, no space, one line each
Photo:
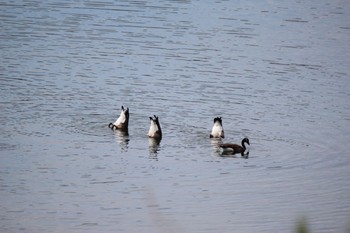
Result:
217,131
154,130
122,122
236,148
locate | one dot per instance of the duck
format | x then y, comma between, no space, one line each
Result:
155,130
122,123
217,130
235,148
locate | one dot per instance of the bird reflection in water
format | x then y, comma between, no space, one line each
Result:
215,143
153,147
230,154
122,138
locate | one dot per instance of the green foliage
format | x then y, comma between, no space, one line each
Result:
302,226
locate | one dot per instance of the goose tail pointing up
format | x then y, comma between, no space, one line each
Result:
155,130
122,122
217,130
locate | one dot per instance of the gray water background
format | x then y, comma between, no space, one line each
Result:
275,71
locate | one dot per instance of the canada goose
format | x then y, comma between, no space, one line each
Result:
155,131
217,131
236,148
122,122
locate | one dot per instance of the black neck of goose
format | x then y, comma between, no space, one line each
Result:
243,145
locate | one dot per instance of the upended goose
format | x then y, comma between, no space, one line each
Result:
236,148
122,122
217,130
154,130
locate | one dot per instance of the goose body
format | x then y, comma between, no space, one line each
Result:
155,130
235,148
217,130
123,120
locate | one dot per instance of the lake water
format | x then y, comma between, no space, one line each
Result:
277,72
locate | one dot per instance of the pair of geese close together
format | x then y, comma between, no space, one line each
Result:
155,131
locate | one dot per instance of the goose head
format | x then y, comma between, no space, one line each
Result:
245,140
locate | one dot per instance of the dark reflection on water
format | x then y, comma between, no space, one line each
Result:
122,138
230,154
154,147
276,72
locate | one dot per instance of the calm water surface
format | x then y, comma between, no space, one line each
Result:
277,72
